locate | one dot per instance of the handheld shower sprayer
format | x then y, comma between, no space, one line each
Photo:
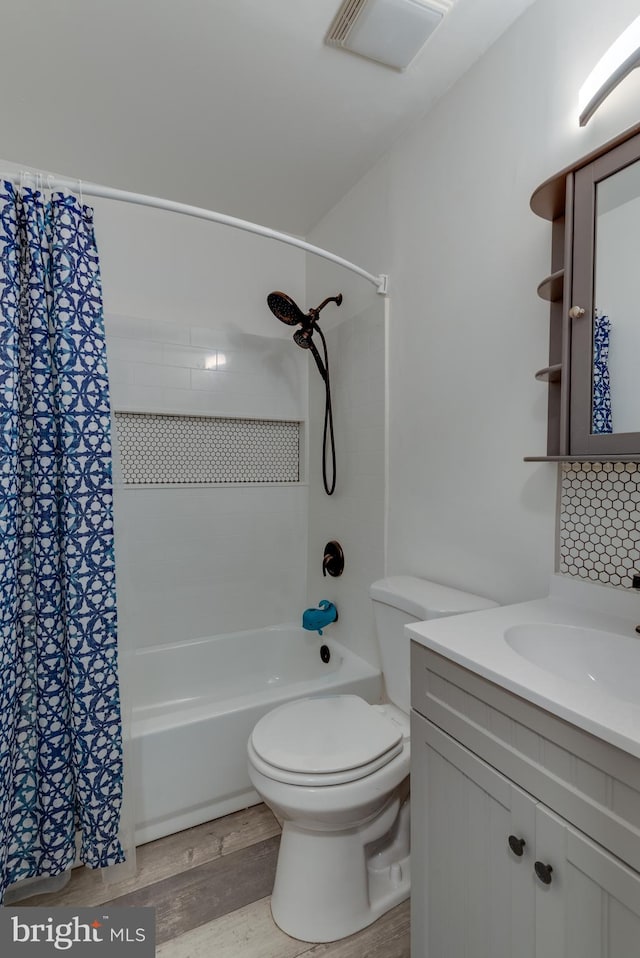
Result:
287,311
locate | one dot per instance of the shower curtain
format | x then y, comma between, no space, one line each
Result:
60,726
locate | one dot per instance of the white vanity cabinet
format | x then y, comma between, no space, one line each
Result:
490,771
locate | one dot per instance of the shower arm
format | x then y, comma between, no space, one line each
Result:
314,313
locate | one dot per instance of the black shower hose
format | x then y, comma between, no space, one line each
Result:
327,432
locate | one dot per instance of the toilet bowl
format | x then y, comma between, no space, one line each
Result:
335,771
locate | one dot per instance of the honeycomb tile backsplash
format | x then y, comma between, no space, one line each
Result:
600,521
170,449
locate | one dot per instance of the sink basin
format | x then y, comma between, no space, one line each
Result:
603,660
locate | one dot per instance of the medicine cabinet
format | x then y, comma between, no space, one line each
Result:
593,292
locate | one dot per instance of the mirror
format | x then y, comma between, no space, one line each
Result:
615,393
601,308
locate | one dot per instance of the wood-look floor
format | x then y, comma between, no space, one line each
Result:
211,886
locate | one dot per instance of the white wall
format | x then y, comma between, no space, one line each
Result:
446,213
175,269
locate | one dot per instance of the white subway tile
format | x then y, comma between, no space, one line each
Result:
136,398
187,402
120,372
133,351
172,377
211,338
133,327
212,380
194,357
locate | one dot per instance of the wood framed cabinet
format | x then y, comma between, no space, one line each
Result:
592,291
498,872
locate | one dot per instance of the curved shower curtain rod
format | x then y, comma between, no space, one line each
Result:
381,282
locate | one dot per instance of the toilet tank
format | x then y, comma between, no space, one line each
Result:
400,600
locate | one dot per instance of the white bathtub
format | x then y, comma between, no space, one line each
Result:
196,704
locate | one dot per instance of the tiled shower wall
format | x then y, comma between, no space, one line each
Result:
196,559
355,513
599,534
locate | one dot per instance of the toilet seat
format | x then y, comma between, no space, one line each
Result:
324,741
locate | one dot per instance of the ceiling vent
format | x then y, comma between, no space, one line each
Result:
387,31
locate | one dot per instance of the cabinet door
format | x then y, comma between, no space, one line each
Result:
472,897
591,908
605,280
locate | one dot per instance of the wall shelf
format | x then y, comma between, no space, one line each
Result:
548,201
550,374
555,289
551,289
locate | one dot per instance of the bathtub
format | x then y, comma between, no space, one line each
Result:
196,704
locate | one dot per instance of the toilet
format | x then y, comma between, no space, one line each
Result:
335,771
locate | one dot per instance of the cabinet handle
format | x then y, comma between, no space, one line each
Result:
543,872
516,845
577,312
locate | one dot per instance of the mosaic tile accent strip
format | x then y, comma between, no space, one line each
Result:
158,448
600,521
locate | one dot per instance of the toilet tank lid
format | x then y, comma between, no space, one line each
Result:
424,599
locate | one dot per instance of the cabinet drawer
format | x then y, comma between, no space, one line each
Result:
590,783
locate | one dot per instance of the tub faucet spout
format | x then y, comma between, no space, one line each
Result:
315,620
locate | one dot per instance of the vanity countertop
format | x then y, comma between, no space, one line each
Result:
580,611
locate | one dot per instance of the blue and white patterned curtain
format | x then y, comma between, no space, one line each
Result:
601,408
60,727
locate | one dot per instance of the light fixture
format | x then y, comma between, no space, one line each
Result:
388,31
620,59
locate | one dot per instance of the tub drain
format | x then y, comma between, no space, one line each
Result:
325,654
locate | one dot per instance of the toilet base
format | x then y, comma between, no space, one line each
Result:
331,884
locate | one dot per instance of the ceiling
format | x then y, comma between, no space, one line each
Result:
234,105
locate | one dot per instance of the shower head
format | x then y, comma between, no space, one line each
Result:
284,309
